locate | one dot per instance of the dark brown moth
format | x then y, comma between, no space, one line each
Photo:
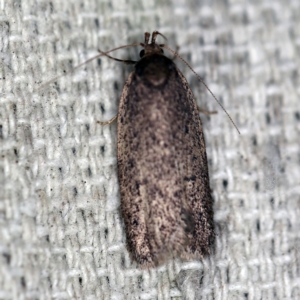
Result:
162,166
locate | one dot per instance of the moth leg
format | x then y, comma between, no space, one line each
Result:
127,62
206,112
109,121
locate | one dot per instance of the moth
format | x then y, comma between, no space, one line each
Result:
166,202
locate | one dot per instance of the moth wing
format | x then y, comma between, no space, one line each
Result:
132,202
197,185
163,176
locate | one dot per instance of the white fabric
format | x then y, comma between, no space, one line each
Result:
61,235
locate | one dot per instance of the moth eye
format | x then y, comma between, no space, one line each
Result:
162,51
142,53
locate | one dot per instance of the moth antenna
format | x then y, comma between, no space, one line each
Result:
87,61
109,121
176,54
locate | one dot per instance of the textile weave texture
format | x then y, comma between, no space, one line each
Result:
61,233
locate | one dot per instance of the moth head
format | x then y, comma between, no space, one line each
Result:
152,47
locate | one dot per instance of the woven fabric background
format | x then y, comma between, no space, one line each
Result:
61,235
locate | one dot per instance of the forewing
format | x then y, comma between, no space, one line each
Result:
197,183
162,171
